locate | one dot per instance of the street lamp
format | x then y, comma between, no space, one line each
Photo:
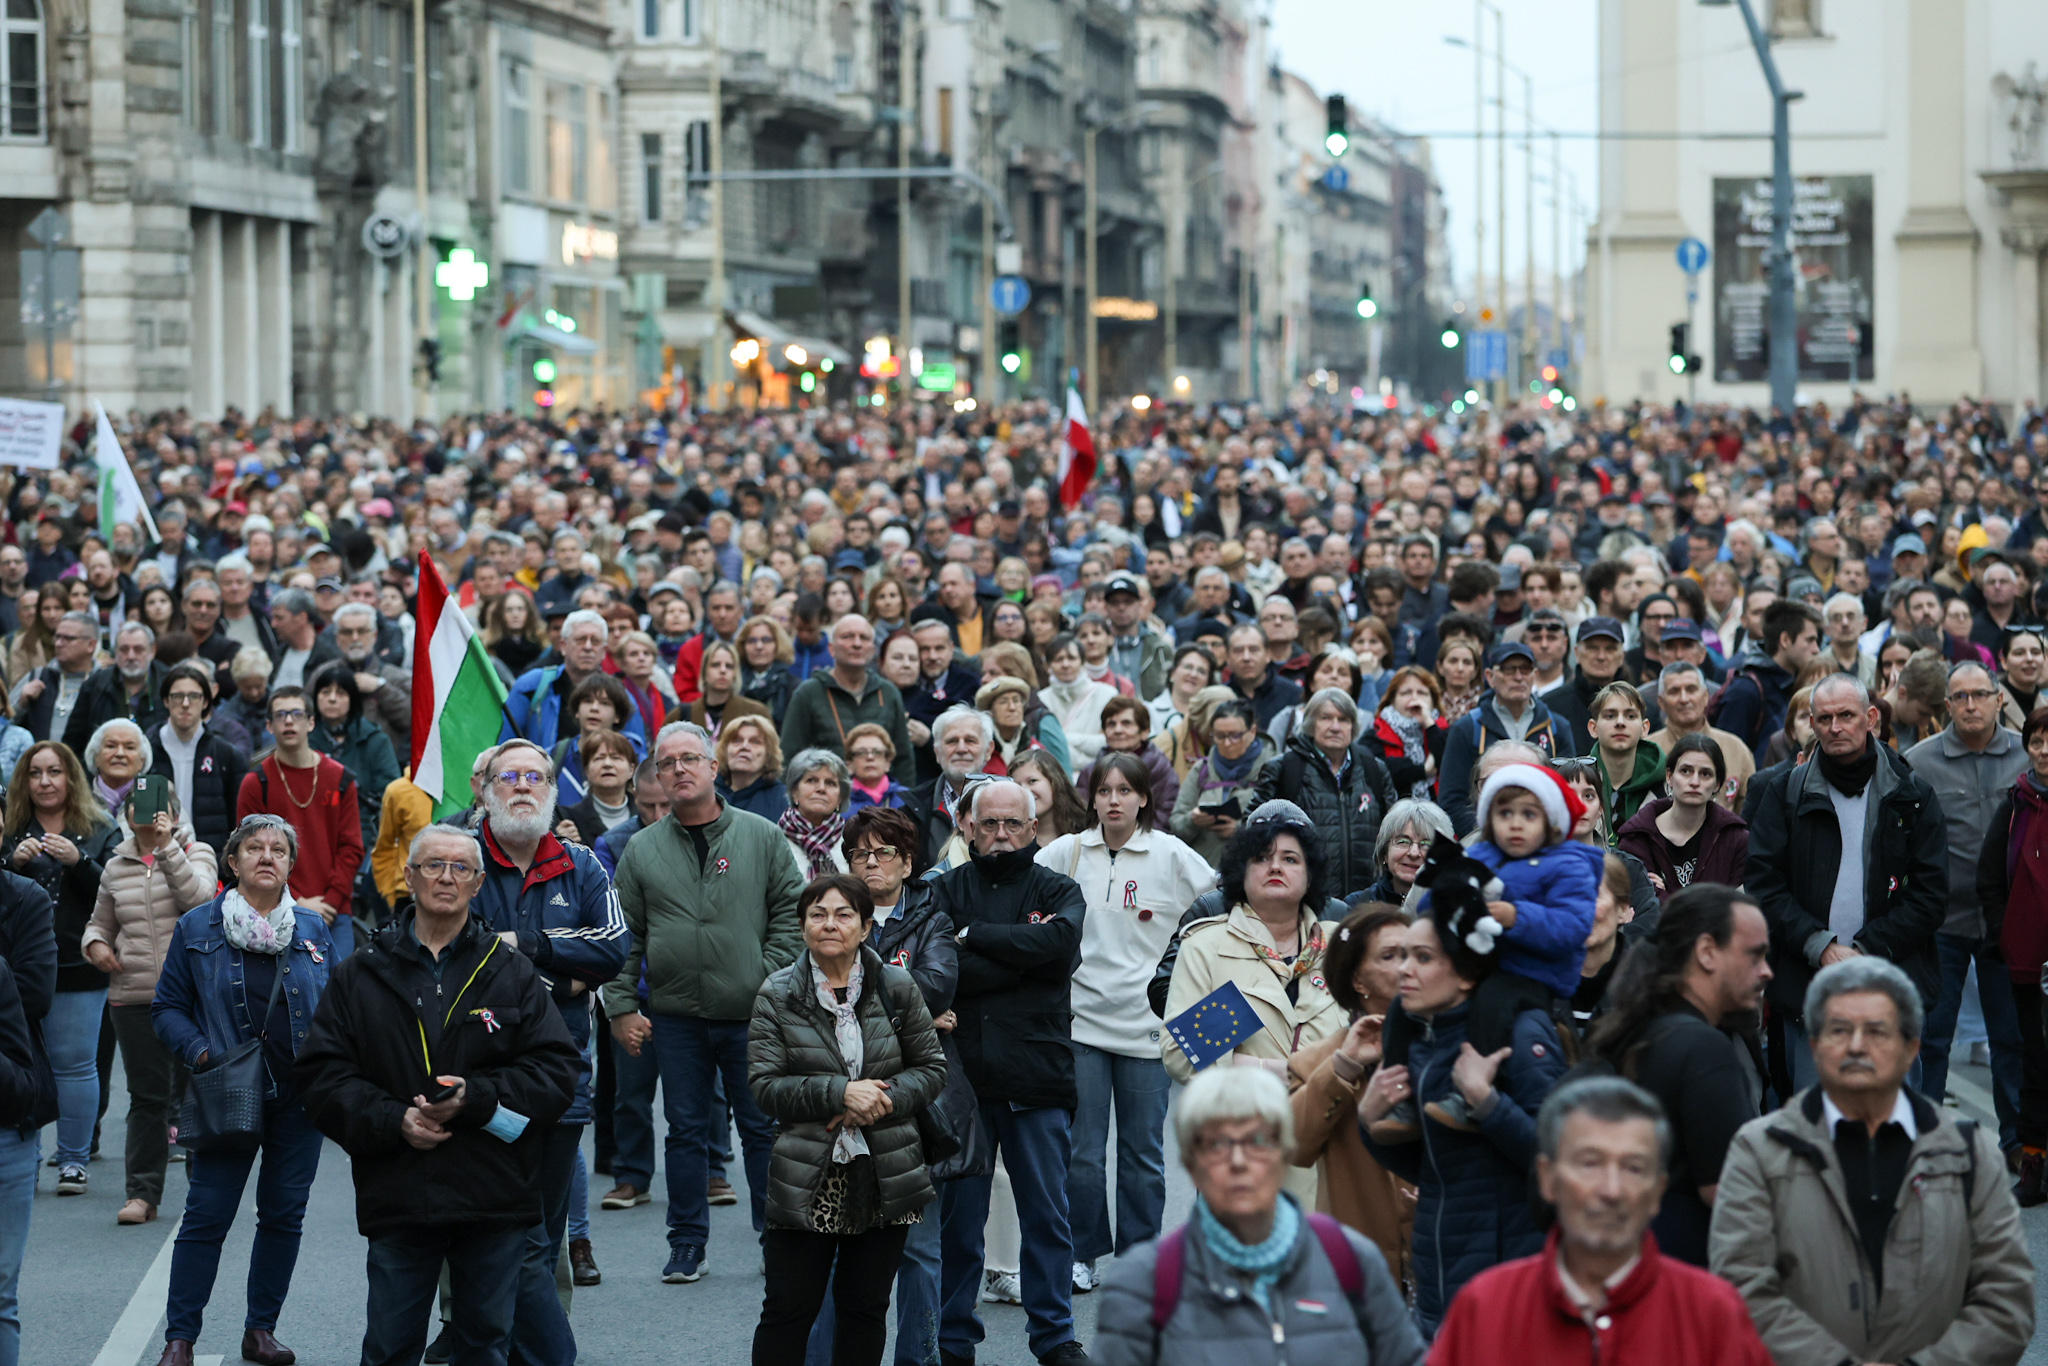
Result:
1090,207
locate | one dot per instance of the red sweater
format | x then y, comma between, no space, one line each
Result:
1665,1312
330,825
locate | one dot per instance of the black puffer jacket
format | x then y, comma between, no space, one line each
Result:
217,772
362,1063
799,1080
28,945
1346,811
73,891
1022,926
919,939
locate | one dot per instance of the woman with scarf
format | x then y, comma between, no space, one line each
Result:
766,652
722,701
1005,700
1261,1281
1008,659
869,752
59,838
842,1054
353,740
819,788
2012,886
1457,666
1075,700
1221,789
1411,731
117,754
247,965
651,688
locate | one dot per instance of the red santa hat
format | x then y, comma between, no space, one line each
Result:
1560,804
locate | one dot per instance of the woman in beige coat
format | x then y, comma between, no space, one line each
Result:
1271,945
156,874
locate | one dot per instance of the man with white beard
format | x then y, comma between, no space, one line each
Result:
553,903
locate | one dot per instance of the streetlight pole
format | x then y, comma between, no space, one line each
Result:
1091,205
714,160
419,191
906,72
1784,329
1528,225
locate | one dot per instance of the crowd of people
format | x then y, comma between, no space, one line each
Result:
1592,827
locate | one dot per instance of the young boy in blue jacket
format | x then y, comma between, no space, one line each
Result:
1549,885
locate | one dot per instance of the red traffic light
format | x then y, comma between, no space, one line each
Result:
544,398
1550,374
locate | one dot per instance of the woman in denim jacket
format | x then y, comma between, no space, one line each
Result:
223,962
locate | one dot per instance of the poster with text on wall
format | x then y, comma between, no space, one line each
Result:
31,433
1831,274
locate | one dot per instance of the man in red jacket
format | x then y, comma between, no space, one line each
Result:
317,795
1599,1290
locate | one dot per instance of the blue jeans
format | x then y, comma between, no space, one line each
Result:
71,1033
1035,1145
634,1080
291,1156
483,1279
540,1326
579,1202
19,1156
917,1301
2001,1025
344,931
1138,1089
692,1052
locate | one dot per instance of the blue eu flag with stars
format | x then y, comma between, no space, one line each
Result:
1214,1026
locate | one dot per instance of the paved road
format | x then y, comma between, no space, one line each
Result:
93,1292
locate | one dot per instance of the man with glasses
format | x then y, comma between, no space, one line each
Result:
386,688
1019,940
1507,710
201,602
709,895
533,711
1848,857
1971,765
205,770
1862,1222
553,903
441,1179
44,701
129,689
316,795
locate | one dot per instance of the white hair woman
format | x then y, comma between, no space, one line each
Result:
1251,1277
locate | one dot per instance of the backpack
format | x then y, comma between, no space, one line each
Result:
1717,703
1170,1268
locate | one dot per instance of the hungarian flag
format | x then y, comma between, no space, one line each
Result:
1077,452
458,702
120,496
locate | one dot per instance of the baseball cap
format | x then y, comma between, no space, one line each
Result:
238,507
327,583
1009,507
1601,626
1925,517
1122,583
1804,586
1681,628
849,559
1506,650
1510,577
1908,544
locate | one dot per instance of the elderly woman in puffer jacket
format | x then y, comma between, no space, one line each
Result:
842,1054
158,872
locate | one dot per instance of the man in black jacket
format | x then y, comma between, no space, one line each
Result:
28,1097
438,1061
129,689
1848,855
44,701
1019,941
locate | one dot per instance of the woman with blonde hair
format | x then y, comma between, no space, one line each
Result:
1186,738
766,652
749,758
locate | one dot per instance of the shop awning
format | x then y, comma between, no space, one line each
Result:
774,337
547,334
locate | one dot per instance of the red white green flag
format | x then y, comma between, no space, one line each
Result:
458,700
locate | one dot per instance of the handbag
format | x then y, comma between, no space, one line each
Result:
959,1109
223,1109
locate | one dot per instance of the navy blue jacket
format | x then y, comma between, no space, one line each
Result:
1472,1189
765,797
570,927
1752,705
533,710
201,1005
1469,737
611,845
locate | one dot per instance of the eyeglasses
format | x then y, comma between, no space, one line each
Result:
289,714
71,639
1230,737
867,752
990,825
1971,696
675,761
1543,631
186,698
874,853
1218,1148
511,779
1407,842
438,868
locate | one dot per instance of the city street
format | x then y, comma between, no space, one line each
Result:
92,1293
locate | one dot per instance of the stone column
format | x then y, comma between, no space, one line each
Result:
241,315
274,313
209,355
1936,355
2026,242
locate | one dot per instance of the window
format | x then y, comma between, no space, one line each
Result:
292,74
946,121
696,161
568,140
690,21
650,18
650,177
842,46
518,128
22,73
604,180
221,69
191,73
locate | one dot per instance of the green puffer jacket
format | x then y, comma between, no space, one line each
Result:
708,930
799,1079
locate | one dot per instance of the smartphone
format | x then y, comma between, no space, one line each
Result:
151,797
436,1094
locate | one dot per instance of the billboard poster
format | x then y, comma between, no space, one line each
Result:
1832,256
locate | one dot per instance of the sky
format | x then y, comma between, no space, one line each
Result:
1390,60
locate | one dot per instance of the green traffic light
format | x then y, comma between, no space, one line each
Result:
544,370
1012,362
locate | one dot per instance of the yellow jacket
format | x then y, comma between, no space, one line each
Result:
407,811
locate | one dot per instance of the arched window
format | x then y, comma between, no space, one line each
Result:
21,71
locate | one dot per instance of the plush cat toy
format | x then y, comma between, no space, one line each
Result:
1459,888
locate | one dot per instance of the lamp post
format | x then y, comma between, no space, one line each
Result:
1090,208
1176,224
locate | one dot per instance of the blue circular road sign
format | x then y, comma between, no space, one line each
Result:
1693,256
1010,294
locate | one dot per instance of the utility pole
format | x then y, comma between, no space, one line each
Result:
1556,245
989,362
1500,180
714,290
1478,159
1176,216
907,91
1784,329
1092,358
419,191
1531,368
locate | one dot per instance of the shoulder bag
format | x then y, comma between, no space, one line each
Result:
223,1110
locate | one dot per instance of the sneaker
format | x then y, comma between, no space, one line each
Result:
1453,1113
1402,1125
1084,1278
624,1196
71,1179
1066,1354
442,1347
685,1264
2030,1190
720,1192
1001,1287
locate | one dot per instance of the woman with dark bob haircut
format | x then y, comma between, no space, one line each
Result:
1270,943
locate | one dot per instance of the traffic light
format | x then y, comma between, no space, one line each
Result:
1450,337
544,370
1338,139
1680,359
1366,307
430,359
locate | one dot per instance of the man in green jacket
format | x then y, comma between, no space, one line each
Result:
709,893
831,702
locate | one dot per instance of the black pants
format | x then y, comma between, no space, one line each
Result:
156,1079
2033,1120
483,1268
1496,1003
800,1266
604,1102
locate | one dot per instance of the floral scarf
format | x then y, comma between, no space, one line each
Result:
1306,962
816,842
1409,730
848,1142
1456,704
251,931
